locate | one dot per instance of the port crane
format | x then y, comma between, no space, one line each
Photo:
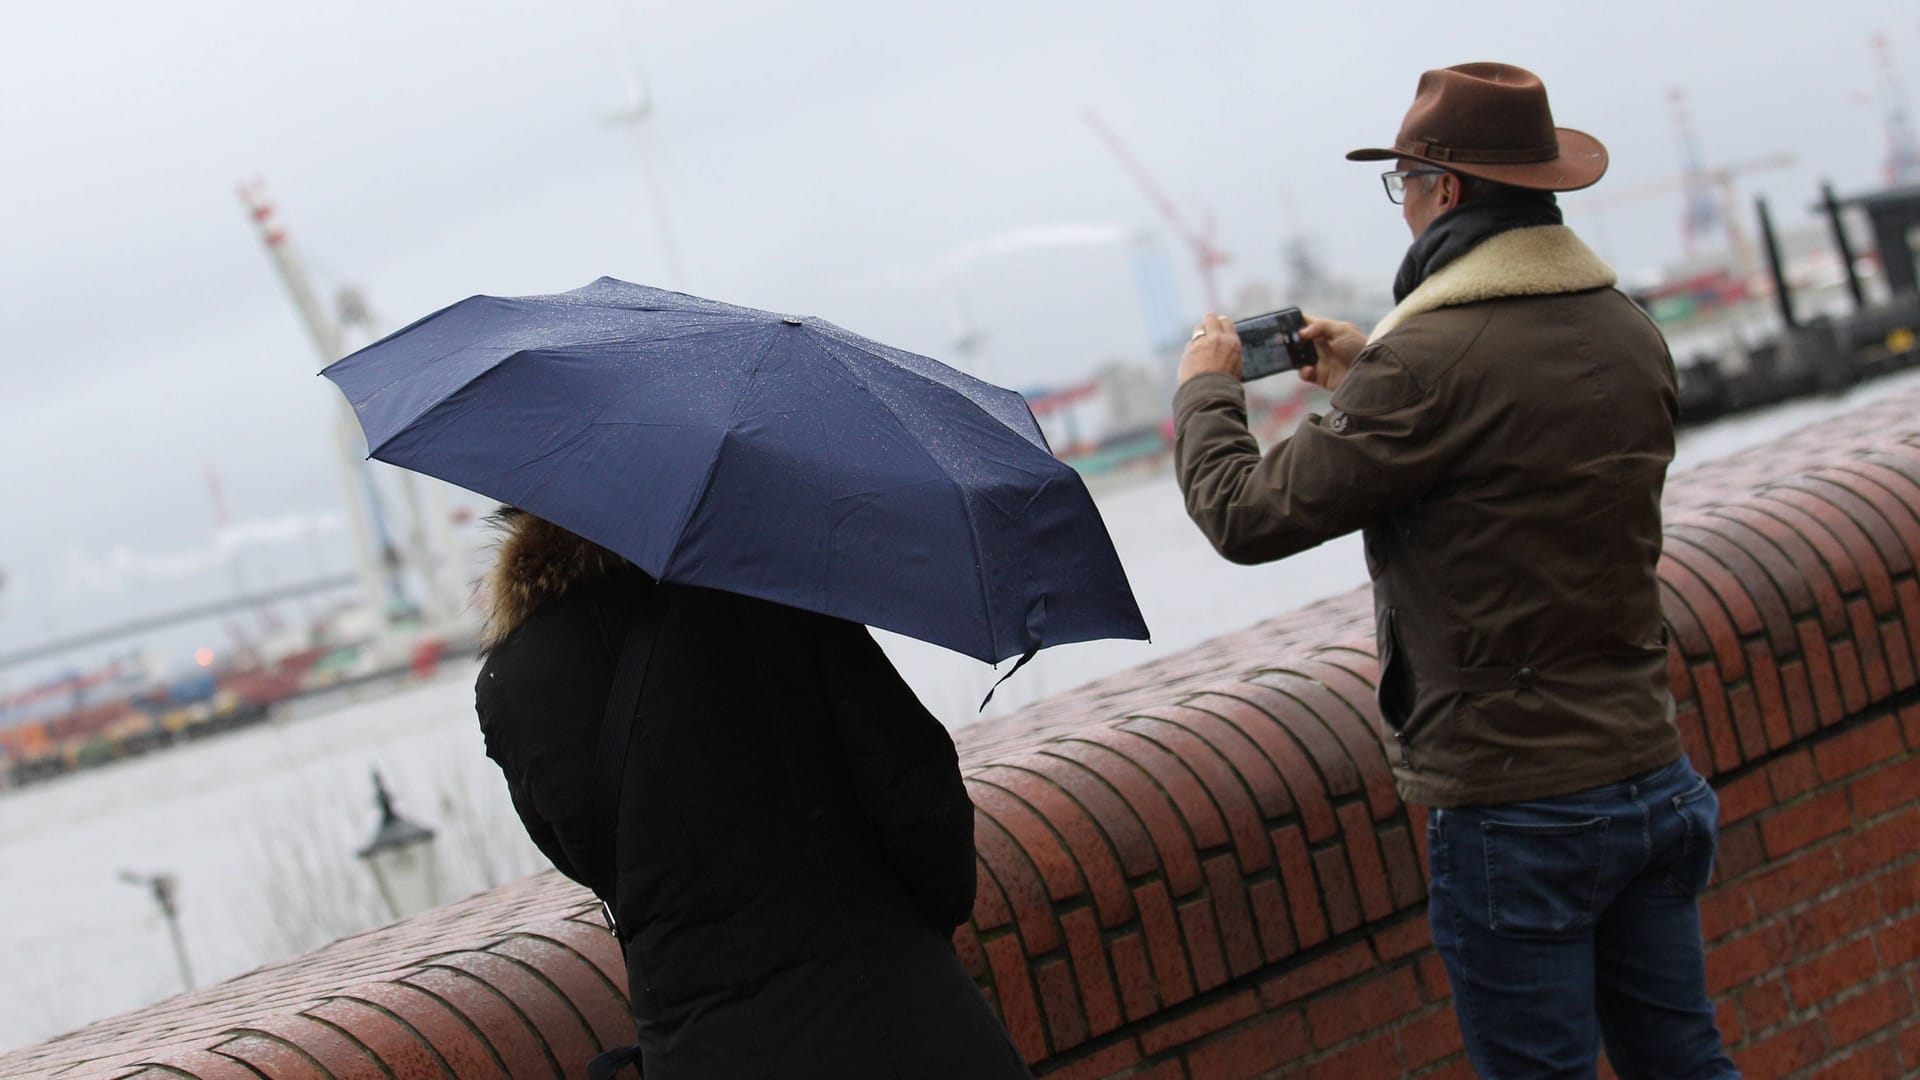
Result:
430,543
1207,255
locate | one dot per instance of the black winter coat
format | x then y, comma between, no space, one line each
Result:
795,845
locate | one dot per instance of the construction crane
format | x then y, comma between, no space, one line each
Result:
1718,181
1903,150
431,539
1206,254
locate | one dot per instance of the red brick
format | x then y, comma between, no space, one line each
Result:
1820,672
497,1019
1743,798
401,1050
1792,776
1375,1057
1725,910
1884,789
1796,879
1861,1015
1021,881
1873,659
1019,1010
1336,889
1765,677
1296,874
1375,1003
1779,1055
1835,919
1226,793
1893,641
1316,975
1712,698
1740,851
1173,777
1822,977
1198,1022
1889,841
1791,828
1745,958
1910,715
1754,743
1250,1051
1139,990
1863,747
1165,943
1060,1001
1283,748
1430,1038
280,1060
1363,852
1406,869
1100,1065
1801,712
1268,901
1900,888
1086,836
1763,1005
1900,942
1853,680
1233,914
1433,977
1876,1062
1726,1017
1203,944
1148,804
1403,938
1908,1041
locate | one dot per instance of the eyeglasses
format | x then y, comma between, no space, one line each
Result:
1396,182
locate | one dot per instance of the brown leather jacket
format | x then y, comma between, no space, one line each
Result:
1502,443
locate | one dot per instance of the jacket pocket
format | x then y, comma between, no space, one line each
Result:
1543,878
1396,690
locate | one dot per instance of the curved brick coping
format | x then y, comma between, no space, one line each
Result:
1198,868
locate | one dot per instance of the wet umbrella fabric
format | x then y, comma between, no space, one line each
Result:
778,457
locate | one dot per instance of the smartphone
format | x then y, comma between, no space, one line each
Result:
1271,343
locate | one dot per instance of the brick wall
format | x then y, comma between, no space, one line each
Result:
1199,869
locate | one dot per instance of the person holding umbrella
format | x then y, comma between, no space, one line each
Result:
793,846
705,504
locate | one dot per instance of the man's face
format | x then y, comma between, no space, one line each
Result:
1428,196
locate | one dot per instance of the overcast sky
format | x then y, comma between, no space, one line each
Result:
875,163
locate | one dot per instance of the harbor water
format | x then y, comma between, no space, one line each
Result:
259,828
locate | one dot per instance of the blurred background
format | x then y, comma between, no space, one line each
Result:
204,201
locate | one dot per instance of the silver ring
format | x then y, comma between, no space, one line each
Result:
1198,334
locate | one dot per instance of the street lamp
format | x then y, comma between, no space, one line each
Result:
163,886
401,858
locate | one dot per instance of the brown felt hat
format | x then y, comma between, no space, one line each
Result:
1492,121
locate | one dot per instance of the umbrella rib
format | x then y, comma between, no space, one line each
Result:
861,344
713,467
973,533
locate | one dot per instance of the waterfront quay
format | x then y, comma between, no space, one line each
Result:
1196,866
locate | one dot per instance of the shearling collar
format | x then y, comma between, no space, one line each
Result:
1521,262
538,561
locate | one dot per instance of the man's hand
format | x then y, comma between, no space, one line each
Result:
1336,343
1215,348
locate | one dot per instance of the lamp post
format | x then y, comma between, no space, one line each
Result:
401,858
163,886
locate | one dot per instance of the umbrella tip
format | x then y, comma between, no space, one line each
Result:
790,320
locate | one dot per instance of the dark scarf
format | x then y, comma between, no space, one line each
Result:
1460,229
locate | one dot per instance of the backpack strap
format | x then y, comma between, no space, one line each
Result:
616,727
610,771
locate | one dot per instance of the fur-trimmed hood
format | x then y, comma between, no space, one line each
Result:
537,562
1537,261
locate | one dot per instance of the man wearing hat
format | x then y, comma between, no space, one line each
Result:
1501,440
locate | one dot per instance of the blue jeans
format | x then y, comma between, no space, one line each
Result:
1577,918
